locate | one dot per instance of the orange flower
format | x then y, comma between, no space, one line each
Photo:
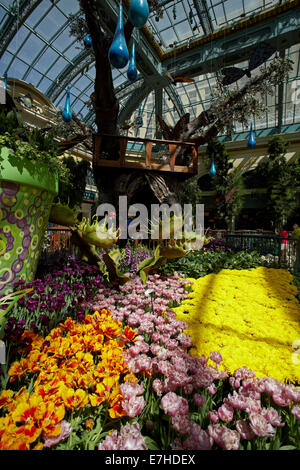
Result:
27,416
95,400
9,440
36,361
115,401
53,415
39,446
129,333
6,398
131,378
110,381
89,424
74,398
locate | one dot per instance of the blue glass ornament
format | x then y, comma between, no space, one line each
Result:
87,41
132,71
118,53
212,170
139,119
67,114
251,141
5,81
138,12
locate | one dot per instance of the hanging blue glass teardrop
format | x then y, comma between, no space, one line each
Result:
251,141
212,170
5,81
87,41
67,113
118,53
139,119
132,71
138,12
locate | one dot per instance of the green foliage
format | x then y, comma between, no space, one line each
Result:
190,193
226,180
282,181
8,124
72,193
29,145
7,302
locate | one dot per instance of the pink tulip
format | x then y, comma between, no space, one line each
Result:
272,416
260,425
199,400
173,404
244,430
216,357
296,411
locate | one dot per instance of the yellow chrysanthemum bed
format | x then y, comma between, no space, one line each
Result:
252,317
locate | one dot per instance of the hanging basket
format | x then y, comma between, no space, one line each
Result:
27,190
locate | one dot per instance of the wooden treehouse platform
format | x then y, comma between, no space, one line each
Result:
145,163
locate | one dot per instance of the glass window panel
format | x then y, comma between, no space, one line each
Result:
63,40
34,77
73,50
17,69
48,57
31,48
45,84
5,61
234,9
168,36
183,30
38,12
18,40
68,7
56,68
2,16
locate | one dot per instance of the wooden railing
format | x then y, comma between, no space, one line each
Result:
147,163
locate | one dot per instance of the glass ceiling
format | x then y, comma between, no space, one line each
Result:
42,48
183,20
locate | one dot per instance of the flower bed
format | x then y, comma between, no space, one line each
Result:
250,316
122,378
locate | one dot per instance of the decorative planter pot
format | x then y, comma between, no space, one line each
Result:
27,190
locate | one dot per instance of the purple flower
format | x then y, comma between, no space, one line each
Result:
44,320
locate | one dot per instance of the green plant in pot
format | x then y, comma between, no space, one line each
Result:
29,173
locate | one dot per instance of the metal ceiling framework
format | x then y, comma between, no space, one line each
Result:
197,57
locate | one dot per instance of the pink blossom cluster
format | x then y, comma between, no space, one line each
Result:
130,301
246,396
198,439
161,349
129,438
